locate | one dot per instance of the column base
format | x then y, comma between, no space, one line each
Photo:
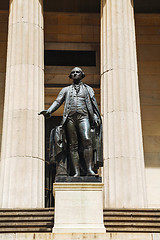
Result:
78,208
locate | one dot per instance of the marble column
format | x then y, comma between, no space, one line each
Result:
22,175
123,173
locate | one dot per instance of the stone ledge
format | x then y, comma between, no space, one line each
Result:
77,186
80,236
80,179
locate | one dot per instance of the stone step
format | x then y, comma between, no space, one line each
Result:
132,220
26,218
133,224
132,229
25,213
26,230
21,214
25,224
131,211
26,210
115,220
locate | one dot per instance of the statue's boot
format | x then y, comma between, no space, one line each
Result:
88,155
90,172
75,162
77,172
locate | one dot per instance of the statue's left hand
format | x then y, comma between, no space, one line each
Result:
45,113
96,121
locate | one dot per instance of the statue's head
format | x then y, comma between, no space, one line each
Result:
77,74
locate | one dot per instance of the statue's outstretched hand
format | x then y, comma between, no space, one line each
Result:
45,113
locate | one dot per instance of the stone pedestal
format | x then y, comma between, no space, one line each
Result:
78,208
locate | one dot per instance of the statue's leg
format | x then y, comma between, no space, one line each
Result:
85,134
73,145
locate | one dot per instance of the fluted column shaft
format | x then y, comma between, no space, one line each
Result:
22,178
123,148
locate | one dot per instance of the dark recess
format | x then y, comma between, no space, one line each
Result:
81,6
69,58
147,6
89,6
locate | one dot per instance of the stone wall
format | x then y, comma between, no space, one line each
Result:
70,31
148,49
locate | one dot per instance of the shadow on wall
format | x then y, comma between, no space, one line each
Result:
4,5
72,6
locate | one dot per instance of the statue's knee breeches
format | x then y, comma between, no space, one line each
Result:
85,133
87,143
73,147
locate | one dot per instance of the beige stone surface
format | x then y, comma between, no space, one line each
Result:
123,176
148,45
8,236
72,27
147,30
151,143
153,185
151,128
150,98
148,52
156,236
22,178
147,19
34,236
149,67
78,208
154,39
80,236
152,159
150,113
52,236
129,236
145,82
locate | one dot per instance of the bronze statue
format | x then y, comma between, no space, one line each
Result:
79,138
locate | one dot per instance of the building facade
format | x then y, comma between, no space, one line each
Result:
118,45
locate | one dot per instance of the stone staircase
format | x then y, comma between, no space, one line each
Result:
115,220
132,220
26,220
